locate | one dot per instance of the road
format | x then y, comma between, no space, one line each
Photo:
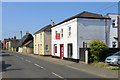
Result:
23,66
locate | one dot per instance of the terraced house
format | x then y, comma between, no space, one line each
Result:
42,41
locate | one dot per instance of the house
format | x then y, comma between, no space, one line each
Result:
76,32
4,43
12,43
28,47
114,31
42,41
25,39
0,45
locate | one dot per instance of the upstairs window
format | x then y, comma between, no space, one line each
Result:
35,38
55,34
69,31
113,23
61,33
40,36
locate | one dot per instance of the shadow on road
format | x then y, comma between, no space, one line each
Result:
5,66
6,55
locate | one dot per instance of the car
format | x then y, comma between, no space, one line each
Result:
114,59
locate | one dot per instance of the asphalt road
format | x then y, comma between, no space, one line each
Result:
22,66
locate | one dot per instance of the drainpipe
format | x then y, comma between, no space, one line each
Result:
118,31
106,31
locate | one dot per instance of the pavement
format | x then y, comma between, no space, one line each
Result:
20,65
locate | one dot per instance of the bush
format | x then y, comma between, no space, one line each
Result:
98,51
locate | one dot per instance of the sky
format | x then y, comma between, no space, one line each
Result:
32,16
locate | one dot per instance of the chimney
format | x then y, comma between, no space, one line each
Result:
52,24
9,38
14,37
27,32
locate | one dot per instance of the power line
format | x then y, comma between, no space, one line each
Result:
100,10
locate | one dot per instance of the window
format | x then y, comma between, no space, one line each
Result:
114,44
40,36
35,38
70,50
113,23
61,33
41,48
55,48
55,34
69,31
46,47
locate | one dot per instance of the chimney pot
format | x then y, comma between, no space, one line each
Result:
53,24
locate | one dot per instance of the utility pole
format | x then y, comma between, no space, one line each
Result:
21,34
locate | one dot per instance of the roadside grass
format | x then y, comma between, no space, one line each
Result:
104,65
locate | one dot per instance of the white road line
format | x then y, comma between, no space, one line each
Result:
57,75
28,61
39,66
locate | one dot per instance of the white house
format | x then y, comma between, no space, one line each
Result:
73,33
114,31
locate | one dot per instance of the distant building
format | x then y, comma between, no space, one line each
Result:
12,43
25,39
0,45
76,32
42,41
114,31
28,47
4,43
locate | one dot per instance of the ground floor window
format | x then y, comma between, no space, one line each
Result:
70,50
46,47
55,48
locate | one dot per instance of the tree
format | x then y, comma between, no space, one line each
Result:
98,50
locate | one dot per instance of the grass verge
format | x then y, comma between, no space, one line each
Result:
104,65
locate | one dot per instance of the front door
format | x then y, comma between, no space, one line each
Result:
61,51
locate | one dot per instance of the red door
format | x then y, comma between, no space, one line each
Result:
61,51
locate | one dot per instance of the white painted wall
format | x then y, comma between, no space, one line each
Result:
113,30
82,30
65,40
90,29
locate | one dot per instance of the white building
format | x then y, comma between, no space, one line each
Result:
114,31
71,34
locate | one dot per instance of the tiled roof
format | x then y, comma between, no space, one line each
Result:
84,14
25,39
18,39
46,28
27,43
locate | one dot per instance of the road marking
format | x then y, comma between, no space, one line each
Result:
57,75
28,61
39,66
